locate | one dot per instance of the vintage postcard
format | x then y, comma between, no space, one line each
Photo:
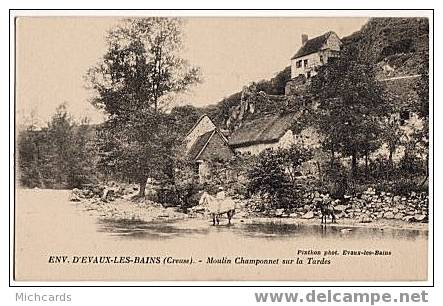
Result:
237,148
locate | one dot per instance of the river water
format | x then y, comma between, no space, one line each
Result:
47,224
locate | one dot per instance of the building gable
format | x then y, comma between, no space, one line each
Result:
202,126
316,44
216,148
203,134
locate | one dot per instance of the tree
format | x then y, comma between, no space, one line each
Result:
29,145
274,174
83,163
134,83
422,109
185,117
59,155
351,104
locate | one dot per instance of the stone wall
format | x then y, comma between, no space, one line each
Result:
364,208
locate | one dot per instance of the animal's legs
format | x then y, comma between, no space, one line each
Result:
230,214
213,219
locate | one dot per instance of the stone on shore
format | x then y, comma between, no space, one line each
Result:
308,215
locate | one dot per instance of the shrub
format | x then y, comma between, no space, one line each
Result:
274,175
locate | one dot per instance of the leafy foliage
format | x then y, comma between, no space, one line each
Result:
351,104
61,155
274,174
134,83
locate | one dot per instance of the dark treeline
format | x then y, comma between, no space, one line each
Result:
59,155
67,153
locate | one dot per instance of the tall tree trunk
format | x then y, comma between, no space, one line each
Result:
354,163
142,186
391,153
427,171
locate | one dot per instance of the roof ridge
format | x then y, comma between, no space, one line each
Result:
308,47
196,124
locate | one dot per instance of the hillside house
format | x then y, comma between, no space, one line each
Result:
313,53
205,143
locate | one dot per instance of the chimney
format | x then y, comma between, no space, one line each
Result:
304,38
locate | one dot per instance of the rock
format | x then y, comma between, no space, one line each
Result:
388,215
340,208
408,218
364,219
308,215
420,218
279,212
399,216
73,197
107,194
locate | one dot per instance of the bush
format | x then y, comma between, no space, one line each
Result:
274,175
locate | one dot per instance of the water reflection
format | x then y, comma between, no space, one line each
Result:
263,230
277,230
152,230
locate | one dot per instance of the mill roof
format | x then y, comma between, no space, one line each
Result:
266,129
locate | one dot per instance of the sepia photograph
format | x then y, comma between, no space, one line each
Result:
222,148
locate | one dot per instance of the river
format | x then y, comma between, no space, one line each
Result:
47,224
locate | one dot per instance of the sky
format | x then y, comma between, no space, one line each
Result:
54,53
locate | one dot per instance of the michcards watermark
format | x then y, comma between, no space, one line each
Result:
38,297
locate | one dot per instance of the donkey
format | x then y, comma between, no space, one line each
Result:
327,210
217,207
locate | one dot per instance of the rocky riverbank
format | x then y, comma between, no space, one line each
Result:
370,208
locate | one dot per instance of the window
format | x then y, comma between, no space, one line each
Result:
298,64
196,168
305,63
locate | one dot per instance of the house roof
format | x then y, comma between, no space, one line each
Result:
197,123
267,129
199,144
312,45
